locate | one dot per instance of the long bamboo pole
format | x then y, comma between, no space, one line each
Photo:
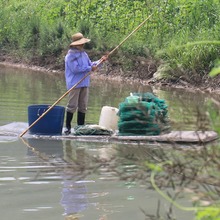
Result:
67,92
138,27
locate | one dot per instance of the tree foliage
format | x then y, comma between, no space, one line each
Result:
44,28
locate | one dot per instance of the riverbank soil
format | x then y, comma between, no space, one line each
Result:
142,71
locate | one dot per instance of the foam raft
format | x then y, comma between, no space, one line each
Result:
193,137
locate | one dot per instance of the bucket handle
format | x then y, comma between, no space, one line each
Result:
38,112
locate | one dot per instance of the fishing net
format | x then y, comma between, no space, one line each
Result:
92,130
143,114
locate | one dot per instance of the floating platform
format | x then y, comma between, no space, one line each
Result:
11,132
193,137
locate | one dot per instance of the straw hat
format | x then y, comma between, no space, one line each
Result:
79,39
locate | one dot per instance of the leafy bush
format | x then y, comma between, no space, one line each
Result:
179,32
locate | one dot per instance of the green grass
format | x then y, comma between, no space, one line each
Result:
181,33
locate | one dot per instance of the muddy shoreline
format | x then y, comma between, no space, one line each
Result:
211,85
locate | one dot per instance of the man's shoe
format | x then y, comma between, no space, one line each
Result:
69,117
81,118
67,131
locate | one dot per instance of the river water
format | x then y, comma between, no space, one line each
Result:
66,179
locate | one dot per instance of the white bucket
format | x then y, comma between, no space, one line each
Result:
109,118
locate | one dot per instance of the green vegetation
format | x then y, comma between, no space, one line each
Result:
206,202
183,35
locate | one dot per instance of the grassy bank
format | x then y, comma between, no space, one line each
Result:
180,39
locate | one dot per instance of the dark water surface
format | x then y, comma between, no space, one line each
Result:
51,179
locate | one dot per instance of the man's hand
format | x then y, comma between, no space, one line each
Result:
104,58
94,68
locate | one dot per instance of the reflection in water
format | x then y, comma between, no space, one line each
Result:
73,163
74,196
86,161
81,180
74,193
84,169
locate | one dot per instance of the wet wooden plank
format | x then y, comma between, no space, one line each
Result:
174,136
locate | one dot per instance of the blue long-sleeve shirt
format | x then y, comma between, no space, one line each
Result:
77,65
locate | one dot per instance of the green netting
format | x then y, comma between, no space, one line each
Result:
143,114
92,130
143,111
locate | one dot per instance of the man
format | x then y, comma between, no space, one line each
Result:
77,65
